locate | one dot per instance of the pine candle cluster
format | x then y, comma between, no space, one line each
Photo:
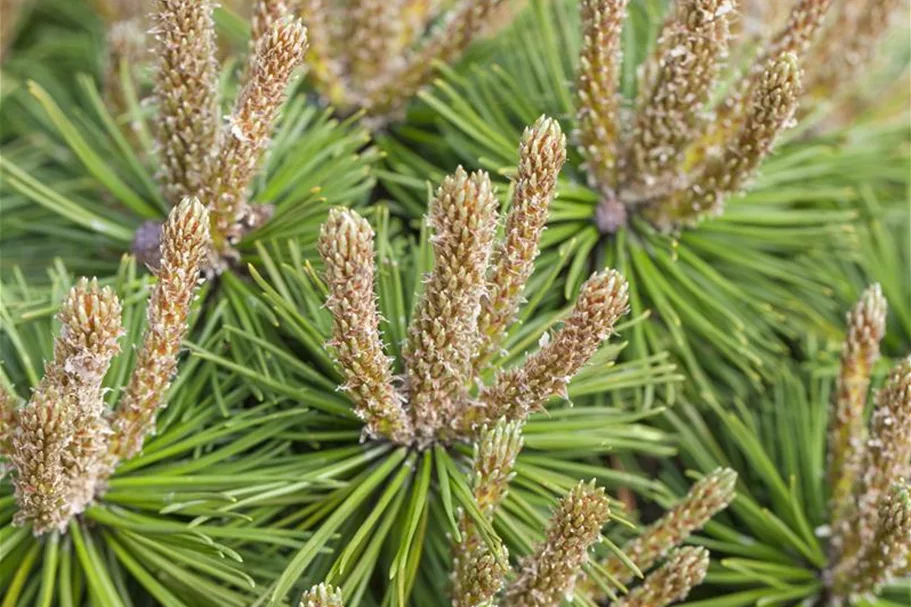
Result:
374,54
557,567
199,155
674,162
470,298
869,467
63,444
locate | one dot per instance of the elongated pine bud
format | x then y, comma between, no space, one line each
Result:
541,156
462,25
691,50
476,575
58,438
375,27
886,456
885,554
772,108
850,43
249,129
795,37
495,457
518,392
126,47
684,570
324,69
89,352
708,497
8,414
322,595
443,336
598,103
346,247
267,14
550,573
184,249
186,91
866,324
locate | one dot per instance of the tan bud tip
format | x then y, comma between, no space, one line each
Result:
322,595
185,238
344,237
606,295
91,319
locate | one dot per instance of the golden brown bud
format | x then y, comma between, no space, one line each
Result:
248,132
866,326
596,87
518,392
58,440
771,110
322,595
186,91
541,156
184,248
550,573
705,499
346,247
443,336
672,582
677,81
